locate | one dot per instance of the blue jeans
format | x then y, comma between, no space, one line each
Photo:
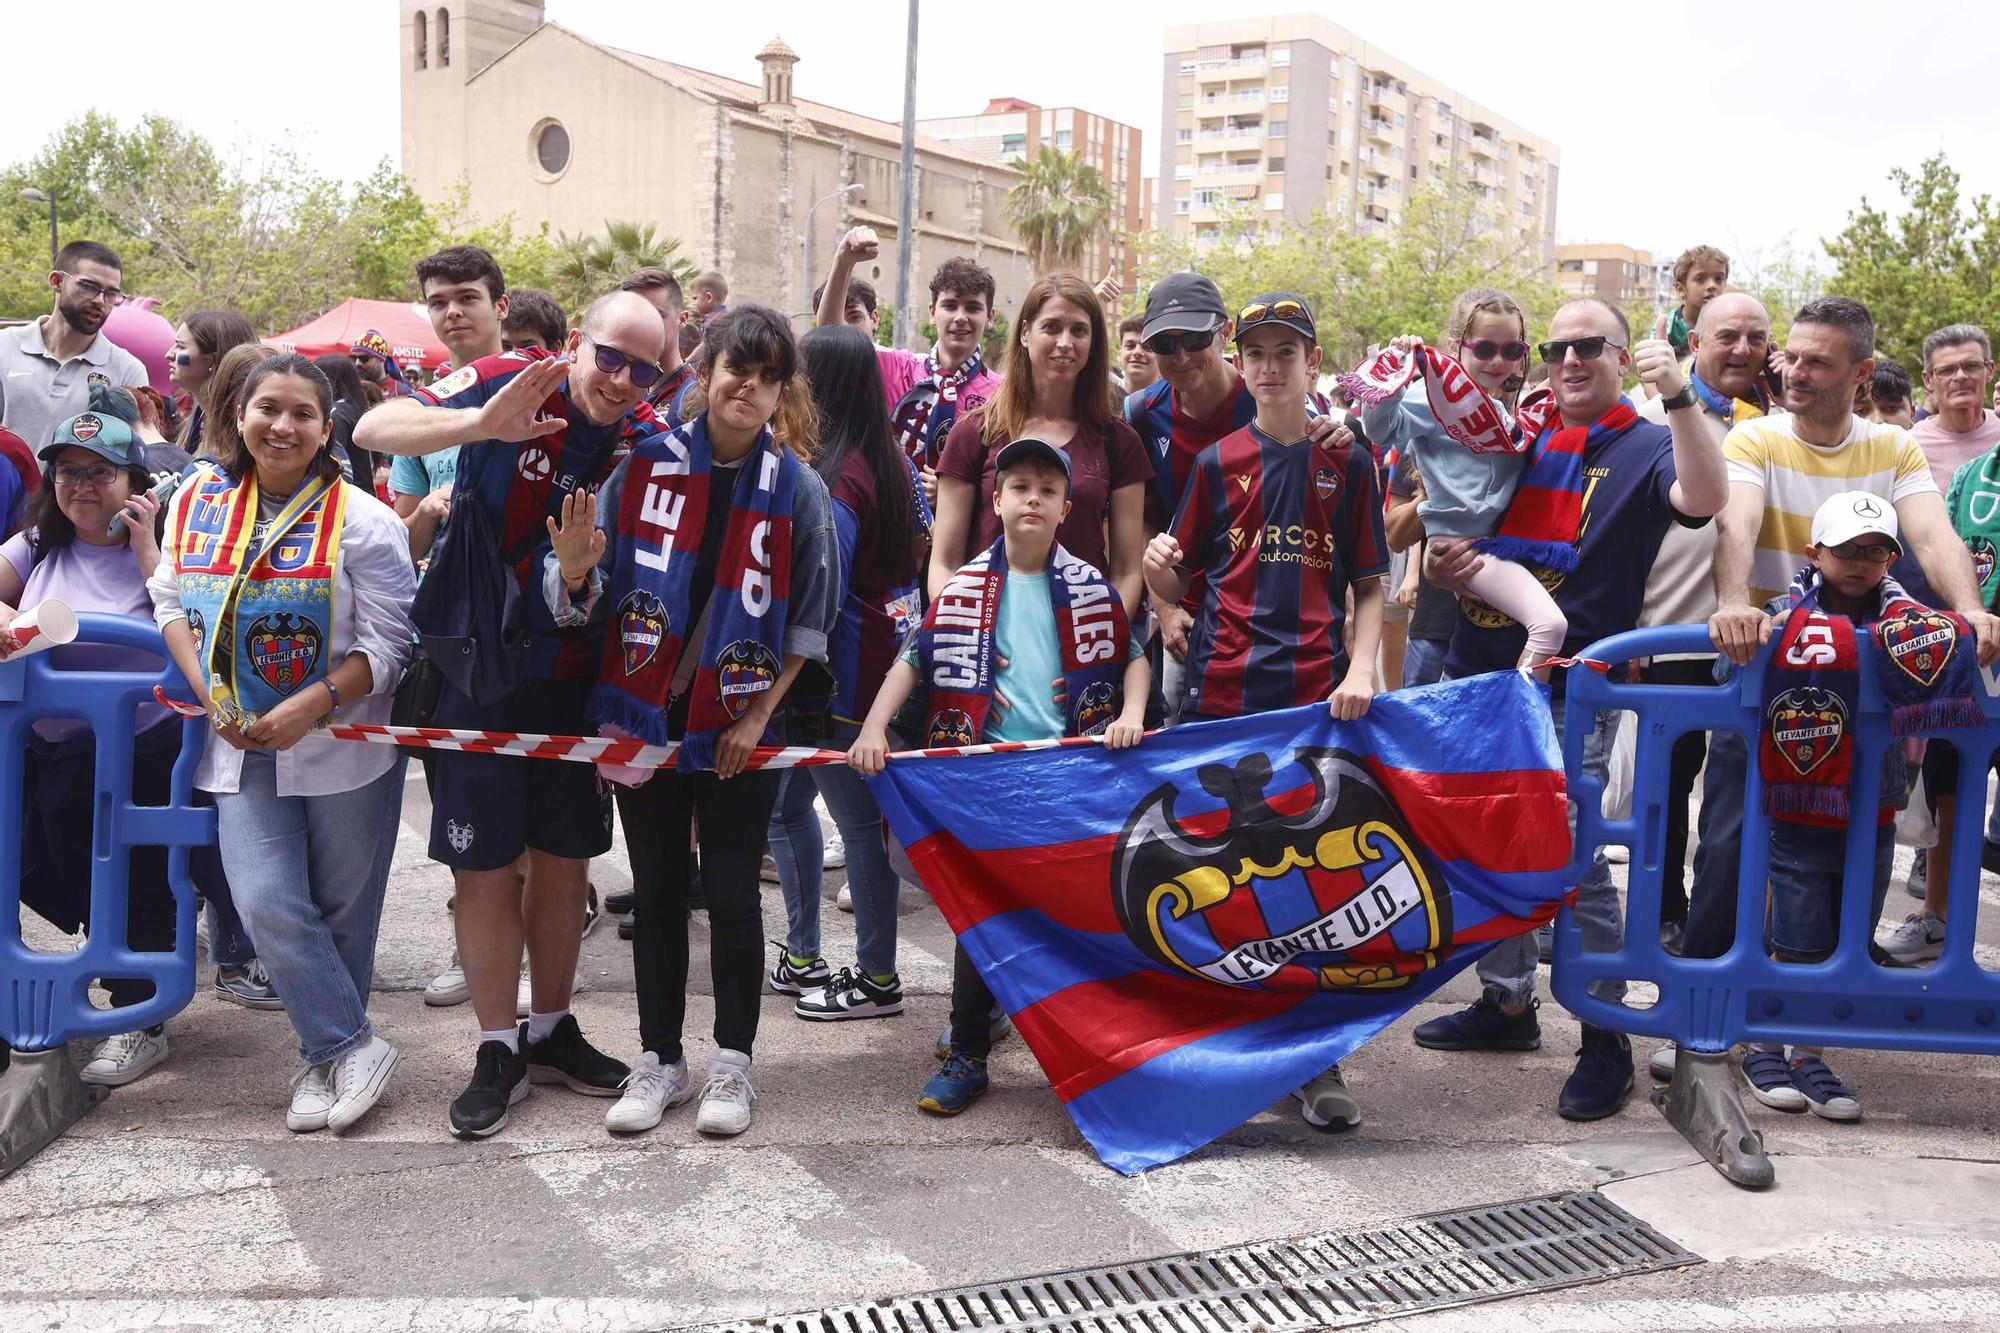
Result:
798,849
308,874
1423,661
1808,870
1711,923
1509,966
872,884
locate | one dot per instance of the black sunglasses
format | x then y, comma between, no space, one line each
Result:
1586,349
610,360
1486,349
1167,344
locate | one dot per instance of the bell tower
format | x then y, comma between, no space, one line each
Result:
440,45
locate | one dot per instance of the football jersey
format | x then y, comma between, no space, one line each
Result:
520,485
1174,441
1278,532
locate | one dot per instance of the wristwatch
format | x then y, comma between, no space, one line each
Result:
1685,398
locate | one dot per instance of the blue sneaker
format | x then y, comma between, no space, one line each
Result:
1485,1026
1825,1095
1770,1080
954,1086
1602,1078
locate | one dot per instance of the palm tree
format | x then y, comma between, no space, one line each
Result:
593,265
1058,208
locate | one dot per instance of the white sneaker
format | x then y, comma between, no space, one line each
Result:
834,855
845,902
524,994
650,1089
358,1079
448,987
1661,1063
312,1098
725,1100
1920,939
120,1059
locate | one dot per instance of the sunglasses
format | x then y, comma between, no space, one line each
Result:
1169,344
1251,314
1486,350
1875,553
610,360
1586,349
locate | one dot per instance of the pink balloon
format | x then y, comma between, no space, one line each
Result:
139,329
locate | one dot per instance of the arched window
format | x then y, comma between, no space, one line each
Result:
423,40
444,37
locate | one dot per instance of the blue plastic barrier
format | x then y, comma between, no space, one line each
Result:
1707,1005
44,997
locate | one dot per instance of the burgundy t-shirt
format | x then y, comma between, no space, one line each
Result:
1098,466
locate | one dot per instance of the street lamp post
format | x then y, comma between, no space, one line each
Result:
33,196
805,243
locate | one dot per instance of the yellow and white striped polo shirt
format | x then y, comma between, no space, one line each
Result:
1797,478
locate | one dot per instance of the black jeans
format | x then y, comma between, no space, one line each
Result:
59,786
733,817
1690,750
971,1008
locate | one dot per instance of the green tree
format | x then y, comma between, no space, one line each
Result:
1058,208
588,266
1931,264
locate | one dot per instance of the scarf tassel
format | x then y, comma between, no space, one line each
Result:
1943,713
1806,799
1555,555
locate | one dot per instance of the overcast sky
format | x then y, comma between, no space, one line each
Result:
1734,123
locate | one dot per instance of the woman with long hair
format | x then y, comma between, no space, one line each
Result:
219,439
94,470
200,342
711,552
284,594
1057,388
357,464
882,522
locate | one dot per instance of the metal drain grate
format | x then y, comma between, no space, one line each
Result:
1327,1281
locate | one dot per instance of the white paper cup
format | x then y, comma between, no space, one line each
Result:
51,624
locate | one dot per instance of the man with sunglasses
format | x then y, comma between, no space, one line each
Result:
1637,480
1199,398
48,365
533,429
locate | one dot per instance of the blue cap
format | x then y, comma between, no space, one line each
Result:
99,432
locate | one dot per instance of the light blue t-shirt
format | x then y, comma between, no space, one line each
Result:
1025,638
422,475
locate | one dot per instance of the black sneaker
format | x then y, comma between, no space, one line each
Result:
565,1057
499,1079
851,993
1483,1027
247,984
590,915
1602,1078
628,926
621,902
789,978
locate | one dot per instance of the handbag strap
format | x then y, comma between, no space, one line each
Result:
691,652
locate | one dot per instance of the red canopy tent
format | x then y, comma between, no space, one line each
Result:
405,325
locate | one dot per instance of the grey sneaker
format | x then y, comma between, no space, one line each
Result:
1325,1103
649,1090
1920,939
1919,878
726,1097
119,1060
247,984
1661,1065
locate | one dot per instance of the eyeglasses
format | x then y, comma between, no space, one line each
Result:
95,291
1170,344
1971,370
1875,553
1251,314
97,475
1486,349
610,360
1586,349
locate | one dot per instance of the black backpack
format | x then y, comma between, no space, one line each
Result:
471,624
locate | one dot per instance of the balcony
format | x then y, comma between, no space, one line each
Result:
1237,98
1221,71
1376,211
1381,131
1482,144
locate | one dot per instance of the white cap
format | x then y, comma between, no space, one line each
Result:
1853,514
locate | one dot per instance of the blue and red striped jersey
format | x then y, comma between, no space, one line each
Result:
1278,532
521,484
1175,441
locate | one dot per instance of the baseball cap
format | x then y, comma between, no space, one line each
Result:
1852,514
99,432
1283,309
1023,450
1183,303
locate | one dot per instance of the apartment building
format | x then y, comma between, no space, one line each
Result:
1294,115
1620,274
1010,131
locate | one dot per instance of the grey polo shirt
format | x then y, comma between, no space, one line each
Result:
39,393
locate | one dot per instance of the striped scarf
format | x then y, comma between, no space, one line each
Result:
925,414
1543,519
656,538
1812,684
957,648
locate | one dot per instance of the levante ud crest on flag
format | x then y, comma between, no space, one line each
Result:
1317,889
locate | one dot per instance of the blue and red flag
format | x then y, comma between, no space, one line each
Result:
1187,931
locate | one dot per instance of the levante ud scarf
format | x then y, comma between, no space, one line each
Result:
277,601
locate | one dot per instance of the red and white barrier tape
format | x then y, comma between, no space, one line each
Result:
607,750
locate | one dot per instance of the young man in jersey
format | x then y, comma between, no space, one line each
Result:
662,291
1282,527
532,429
